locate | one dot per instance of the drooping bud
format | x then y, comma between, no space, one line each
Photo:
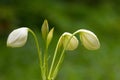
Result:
50,36
73,42
45,29
18,37
89,39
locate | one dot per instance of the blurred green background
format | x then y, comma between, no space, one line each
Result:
100,16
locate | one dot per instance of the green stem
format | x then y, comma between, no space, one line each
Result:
39,53
53,61
61,57
45,64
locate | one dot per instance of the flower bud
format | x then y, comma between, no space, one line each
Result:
50,36
73,42
18,37
89,39
45,29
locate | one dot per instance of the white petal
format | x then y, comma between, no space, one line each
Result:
73,43
17,37
89,40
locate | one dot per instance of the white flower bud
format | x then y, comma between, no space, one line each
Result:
72,44
18,37
89,39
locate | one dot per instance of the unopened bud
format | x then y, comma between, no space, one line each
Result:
17,37
50,36
71,42
45,29
89,39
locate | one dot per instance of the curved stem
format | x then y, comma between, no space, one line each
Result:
39,52
60,59
53,61
62,56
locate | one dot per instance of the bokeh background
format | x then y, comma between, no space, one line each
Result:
100,16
